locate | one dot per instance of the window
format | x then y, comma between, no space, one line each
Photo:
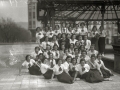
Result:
30,15
34,24
30,24
34,15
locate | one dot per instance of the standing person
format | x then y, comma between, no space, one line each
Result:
105,71
60,73
94,36
31,65
39,35
101,41
83,31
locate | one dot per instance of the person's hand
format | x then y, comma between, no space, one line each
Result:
49,81
101,75
74,79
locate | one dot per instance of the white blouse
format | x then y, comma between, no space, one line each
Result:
26,64
94,52
44,68
78,58
56,54
73,66
46,54
93,34
40,35
88,44
44,44
87,58
50,34
100,64
56,32
53,43
71,51
66,66
83,31
103,34
73,41
85,68
76,31
48,62
33,54
58,69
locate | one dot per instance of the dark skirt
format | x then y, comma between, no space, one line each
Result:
106,74
82,37
34,70
93,40
101,44
64,77
93,76
72,73
48,74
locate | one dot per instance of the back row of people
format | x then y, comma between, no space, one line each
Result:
71,35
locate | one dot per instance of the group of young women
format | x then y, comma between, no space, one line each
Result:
67,55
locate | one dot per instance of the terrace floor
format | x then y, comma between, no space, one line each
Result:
10,80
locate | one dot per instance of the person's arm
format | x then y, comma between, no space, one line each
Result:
98,68
106,68
52,76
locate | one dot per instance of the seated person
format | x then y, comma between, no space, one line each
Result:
105,71
60,73
92,51
36,52
31,65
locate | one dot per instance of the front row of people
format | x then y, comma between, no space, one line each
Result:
68,70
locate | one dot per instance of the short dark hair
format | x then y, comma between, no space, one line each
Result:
26,57
93,55
37,48
68,57
82,60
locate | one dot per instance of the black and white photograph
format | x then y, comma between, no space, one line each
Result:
59,44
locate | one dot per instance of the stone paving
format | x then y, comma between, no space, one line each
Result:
10,80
